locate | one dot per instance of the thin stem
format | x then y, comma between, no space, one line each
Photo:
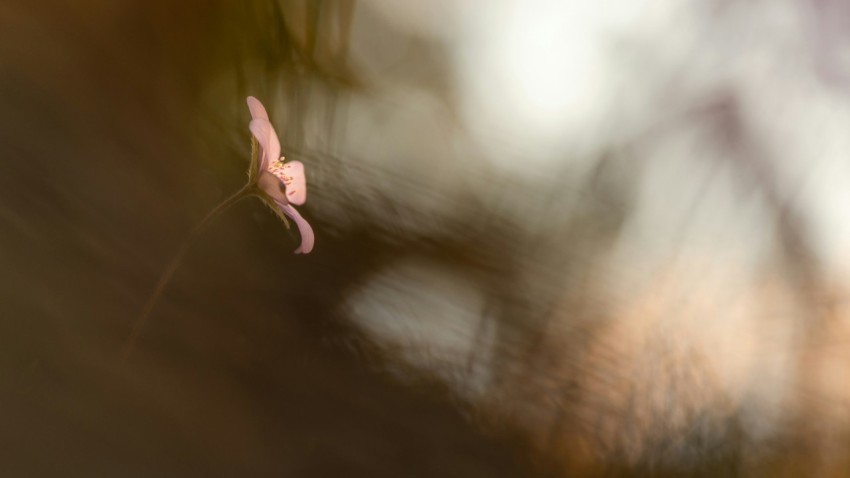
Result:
247,191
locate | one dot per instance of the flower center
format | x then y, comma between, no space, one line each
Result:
279,170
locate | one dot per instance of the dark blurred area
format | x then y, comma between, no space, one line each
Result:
553,239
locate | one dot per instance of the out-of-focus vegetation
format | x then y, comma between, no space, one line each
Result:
553,238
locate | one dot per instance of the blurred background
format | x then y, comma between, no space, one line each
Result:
554,238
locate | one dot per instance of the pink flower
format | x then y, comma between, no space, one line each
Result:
282,183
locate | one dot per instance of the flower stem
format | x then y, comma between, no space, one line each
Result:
127,348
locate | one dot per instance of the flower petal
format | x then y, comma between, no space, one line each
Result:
272,195
307,237
257,109
271,186
296,189
267,138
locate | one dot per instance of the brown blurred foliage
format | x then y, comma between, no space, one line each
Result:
121,123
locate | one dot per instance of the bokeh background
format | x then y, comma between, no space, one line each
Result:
554,238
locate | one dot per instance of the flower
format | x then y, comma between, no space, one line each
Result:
270,173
